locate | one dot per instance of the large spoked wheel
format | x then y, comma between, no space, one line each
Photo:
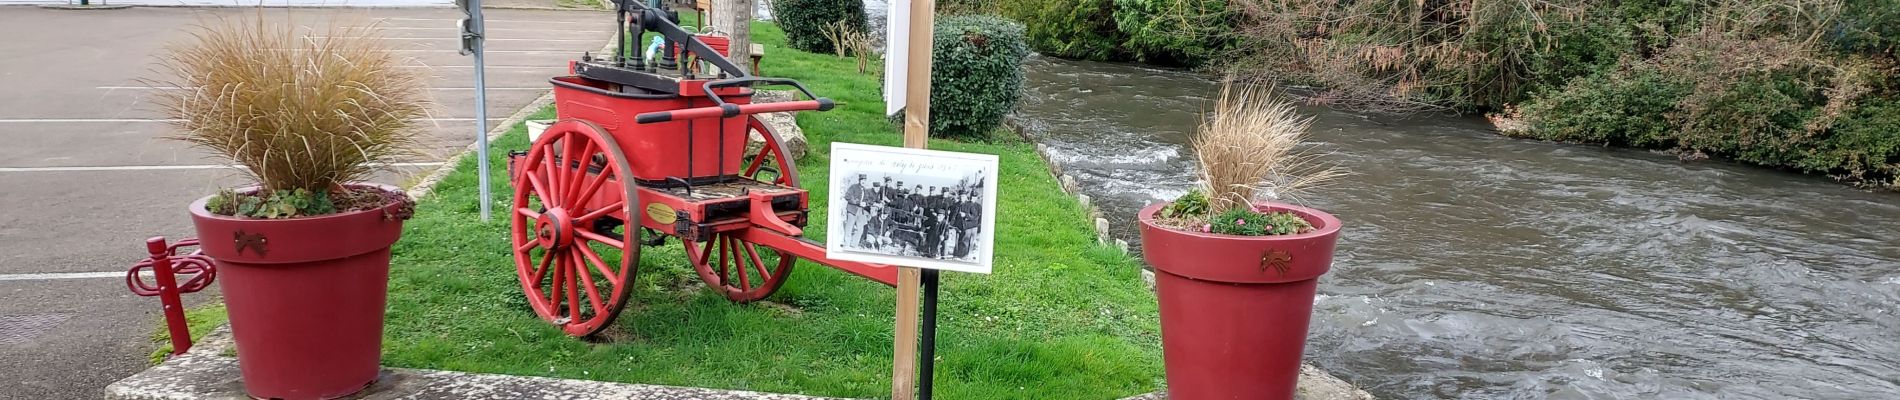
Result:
740,270
574,253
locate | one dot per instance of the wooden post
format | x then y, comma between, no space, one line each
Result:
916,135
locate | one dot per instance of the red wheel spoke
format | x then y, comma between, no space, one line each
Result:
531,214
600,265
706,252
758,161
724,278
540,189
573,293
560,282
541,270
527,245
576,177
590,235
554,178
587,279
593,186
603,211
757,264
739,263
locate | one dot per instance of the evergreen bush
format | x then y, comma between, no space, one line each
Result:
977,76
1082,29
804,21
1176,32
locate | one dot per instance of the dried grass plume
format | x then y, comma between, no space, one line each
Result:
1252,146
296,111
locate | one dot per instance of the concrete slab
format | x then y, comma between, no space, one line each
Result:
43,323
206,374
1315,384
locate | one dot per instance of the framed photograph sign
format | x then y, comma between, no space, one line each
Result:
912,207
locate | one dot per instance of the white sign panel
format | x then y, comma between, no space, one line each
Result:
912,207
896,55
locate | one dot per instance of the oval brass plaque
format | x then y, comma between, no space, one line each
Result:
661,213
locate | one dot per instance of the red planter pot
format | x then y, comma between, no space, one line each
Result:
305,296
1234,309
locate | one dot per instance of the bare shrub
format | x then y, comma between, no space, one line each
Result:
1252,146
296,111
850,42
1401,56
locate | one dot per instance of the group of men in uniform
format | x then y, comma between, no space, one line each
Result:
916,220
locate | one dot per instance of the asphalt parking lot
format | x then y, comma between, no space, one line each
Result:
86,176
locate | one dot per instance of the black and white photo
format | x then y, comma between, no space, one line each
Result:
911,207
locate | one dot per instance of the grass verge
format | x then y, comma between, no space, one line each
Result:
1061,317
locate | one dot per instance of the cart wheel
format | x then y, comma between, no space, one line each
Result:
742,271
574,274
770,163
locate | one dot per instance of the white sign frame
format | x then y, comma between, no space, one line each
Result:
896,55
858,234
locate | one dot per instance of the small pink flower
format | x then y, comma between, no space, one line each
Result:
1269,227
1238,221
1207,227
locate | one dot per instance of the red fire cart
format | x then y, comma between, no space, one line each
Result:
645,150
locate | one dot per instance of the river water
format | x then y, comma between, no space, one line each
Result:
1477,266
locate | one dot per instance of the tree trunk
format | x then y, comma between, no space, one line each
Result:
735,18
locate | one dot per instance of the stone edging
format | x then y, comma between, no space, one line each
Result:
1071,187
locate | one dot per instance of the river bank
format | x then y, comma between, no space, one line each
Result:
1479,266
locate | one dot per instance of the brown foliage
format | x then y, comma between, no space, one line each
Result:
297,112
1252,146
1400,55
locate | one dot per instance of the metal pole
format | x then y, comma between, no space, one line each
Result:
929,352
481,107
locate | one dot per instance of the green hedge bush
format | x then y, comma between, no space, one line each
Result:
1082,29
977,76
804,21
1176,32
1622,109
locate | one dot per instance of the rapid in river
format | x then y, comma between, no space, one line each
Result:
1478,266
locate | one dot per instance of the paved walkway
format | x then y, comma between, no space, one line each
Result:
86,176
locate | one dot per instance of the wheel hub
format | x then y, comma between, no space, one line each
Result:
554,229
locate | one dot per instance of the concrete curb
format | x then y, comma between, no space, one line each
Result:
206,373
1070,186
86,7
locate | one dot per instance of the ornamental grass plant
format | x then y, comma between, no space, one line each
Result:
303,113
1250,149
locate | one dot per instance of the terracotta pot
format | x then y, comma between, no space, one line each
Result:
305,296
1234,309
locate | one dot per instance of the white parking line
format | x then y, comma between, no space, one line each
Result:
69,275
93,120
83,120
460,39
485,20
489,67
167,167
182,88
487,51
452,28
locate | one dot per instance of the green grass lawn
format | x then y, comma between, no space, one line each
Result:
1061,317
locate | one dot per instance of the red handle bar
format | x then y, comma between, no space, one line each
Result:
733,110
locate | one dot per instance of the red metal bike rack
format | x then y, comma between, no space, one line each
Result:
166,266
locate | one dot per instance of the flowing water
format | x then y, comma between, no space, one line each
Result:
1477,266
